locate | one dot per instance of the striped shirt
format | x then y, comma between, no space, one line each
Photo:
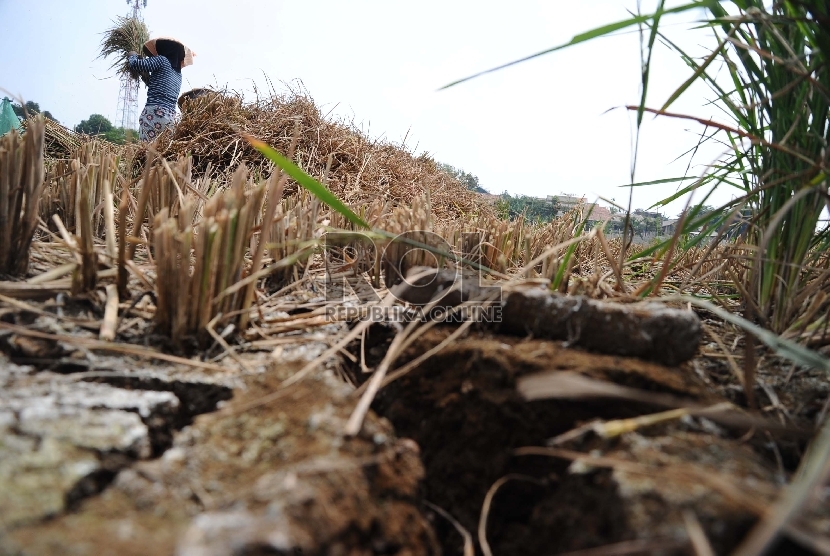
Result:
165,82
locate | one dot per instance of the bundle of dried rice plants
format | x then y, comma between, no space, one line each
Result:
21,184
60,142
195,267
128,34
362,170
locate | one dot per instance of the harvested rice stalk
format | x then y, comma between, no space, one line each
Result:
122,277
162,187
128,34
195,267
292,235
93,165
21,184
85,276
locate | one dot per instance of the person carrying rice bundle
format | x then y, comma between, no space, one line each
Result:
166,58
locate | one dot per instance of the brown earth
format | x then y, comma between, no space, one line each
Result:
463,409
280,477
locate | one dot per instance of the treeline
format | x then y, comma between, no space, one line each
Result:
30,109
96,124
100,126
466,178
510,207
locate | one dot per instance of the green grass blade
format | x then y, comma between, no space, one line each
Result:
589,35
694,77
646,69
312,185
560,273
656,182
783,347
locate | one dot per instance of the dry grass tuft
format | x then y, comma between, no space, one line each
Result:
293,234
195,265
93,163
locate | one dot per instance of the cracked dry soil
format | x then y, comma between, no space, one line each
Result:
143,462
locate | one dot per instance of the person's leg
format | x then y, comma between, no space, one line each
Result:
147,129
164,119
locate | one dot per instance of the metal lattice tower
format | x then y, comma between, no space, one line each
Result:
126,115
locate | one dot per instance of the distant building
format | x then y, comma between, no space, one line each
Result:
598,213
567,201
668,227
647,214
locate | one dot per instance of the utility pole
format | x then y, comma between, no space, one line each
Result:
126,115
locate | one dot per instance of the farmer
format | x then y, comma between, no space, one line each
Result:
166,59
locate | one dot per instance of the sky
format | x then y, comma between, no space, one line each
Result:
552,125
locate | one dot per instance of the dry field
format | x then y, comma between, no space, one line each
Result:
184,369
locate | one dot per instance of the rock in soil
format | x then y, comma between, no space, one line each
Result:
647,330
62,439
274,479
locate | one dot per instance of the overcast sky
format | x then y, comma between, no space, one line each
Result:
539,128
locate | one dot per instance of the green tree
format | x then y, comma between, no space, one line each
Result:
101,127
469,180
31,108
534,209
119,135
95,125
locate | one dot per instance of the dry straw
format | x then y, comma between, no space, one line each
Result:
194,267
128,34
21,184
362,170
93,165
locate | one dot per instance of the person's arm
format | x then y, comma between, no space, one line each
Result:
152,63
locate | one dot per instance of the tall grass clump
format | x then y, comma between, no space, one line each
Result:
777,97
768,70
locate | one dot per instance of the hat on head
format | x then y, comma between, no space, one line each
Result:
151,50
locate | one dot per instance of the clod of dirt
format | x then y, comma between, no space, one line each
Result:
723,482
648,330
462,408
651,331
